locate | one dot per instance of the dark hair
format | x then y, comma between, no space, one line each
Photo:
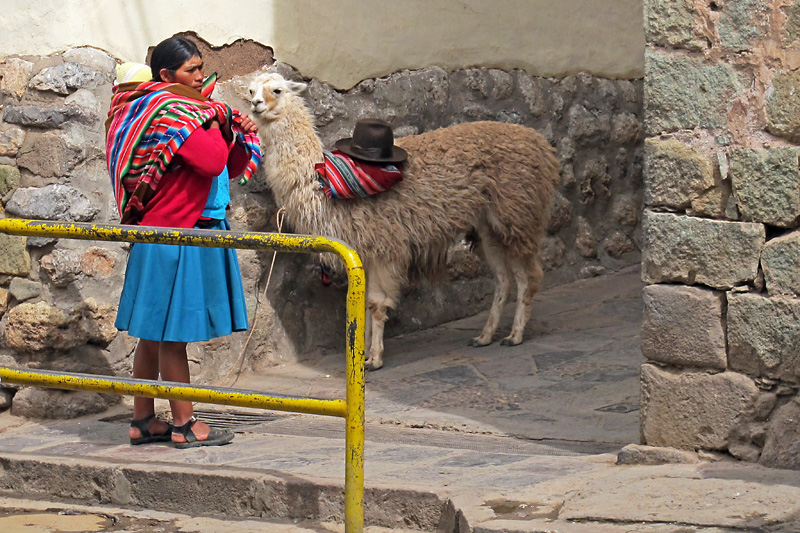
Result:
171,54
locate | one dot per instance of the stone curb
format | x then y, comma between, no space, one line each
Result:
214,491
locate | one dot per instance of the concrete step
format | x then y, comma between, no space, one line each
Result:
18,515
211,491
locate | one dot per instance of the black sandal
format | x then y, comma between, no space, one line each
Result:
143,425
216,437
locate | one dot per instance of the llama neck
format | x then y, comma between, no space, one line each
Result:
291,149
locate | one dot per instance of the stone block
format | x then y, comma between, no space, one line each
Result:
6,396
568,176
60,404
586,241
14,257
636,454
93,58
11,140
67,77
84,105
561,214
9,179
764,336
692,410
783,105
684,326
97,321
715,202
534,91
53,202
65,266
98,262
674,173
764,405
782,444
617,244
588,126
553,253
15,74
791,27
766,185
594,180
327,103
743,22
626,210
62,266
592,271
744,451
626,128
24,289
717,253
420,94
37,328
779,262
41,328
48,155
671,24
4,294
686,93
44,116
502,84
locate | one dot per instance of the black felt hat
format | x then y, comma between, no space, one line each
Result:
372,141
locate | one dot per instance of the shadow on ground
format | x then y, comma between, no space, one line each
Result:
575,377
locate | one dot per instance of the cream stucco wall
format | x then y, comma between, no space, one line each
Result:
345,41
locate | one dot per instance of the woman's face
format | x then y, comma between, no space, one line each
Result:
190,73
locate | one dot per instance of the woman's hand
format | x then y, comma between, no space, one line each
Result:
214,124
247,124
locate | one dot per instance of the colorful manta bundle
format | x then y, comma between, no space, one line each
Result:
341,176
146,126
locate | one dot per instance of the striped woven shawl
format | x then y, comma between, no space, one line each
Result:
341,177
146,126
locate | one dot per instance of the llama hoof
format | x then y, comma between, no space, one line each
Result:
477,343
371,364
508,341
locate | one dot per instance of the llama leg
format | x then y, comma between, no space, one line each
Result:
381,295
528,278
367,330
378,319
494,258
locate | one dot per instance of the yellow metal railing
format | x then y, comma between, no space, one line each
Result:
351,409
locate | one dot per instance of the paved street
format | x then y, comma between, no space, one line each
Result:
493,439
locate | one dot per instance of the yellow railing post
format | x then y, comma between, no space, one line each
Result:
351,409
354,436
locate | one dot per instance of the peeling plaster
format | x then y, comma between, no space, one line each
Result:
345,42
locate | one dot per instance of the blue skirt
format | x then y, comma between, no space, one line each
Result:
182,293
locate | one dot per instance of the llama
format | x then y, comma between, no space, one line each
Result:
489,179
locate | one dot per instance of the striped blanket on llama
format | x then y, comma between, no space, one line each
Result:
341,176
146,126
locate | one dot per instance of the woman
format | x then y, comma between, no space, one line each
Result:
170,152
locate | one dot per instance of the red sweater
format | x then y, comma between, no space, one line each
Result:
183,190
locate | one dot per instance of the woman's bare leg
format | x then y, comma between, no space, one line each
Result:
145,366
174,365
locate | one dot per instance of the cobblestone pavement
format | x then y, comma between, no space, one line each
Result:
494,439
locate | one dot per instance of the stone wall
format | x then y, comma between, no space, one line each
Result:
58,298
722,210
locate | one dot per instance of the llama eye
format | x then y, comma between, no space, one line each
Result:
252,92
276,92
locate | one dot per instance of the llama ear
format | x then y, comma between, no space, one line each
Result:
297,87
241,91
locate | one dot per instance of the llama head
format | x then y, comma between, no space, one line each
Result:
268,92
